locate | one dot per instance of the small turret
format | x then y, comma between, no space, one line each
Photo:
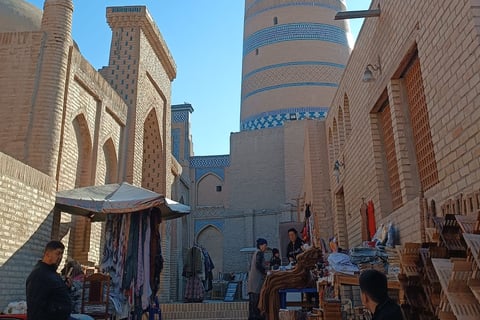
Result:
43,137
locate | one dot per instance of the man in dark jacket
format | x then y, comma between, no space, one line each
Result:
47,293
294,246
374,294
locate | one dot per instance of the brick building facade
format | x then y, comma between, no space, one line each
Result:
67,125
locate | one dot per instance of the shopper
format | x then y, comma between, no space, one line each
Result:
374,295
256,277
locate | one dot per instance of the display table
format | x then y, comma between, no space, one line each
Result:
304,304
352,280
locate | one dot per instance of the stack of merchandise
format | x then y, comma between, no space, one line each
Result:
369,258
393,263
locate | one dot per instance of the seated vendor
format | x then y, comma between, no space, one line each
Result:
294,247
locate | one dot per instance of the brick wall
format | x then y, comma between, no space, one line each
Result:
18,61
26,200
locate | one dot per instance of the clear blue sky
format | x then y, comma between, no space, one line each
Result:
205,39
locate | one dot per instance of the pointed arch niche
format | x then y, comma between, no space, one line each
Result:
336,148
210,190
84,151
111,162
153,167
80,226
211,238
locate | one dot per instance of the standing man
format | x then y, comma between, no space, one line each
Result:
256,277
374,295
47,293
294,246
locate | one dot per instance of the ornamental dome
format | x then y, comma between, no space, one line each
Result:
19,15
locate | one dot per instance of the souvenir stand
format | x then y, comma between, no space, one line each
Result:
132,251
300,277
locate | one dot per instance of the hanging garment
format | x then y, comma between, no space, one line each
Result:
130,270
372,227
364,225
194,263
156,262
208,283
146,289
194,291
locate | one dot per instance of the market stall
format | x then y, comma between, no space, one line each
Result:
132,249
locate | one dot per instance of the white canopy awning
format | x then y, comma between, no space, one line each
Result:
96,202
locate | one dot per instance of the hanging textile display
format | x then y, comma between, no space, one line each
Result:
130,240
198,269
364,219
307,228
372,226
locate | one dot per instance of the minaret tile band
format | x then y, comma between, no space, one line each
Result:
295,32
277,118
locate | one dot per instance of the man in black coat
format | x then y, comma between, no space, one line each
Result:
47,293
294,246
374,294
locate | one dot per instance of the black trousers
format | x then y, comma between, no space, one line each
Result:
253,311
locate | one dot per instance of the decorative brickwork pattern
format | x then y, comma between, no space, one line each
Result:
427,166
153,167
290,75
210,161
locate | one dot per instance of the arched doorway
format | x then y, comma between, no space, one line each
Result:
212,239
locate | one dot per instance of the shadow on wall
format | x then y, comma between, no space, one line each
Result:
15,270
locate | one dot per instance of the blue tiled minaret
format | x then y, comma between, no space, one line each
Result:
294,54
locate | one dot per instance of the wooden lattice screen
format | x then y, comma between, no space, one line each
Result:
427,166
